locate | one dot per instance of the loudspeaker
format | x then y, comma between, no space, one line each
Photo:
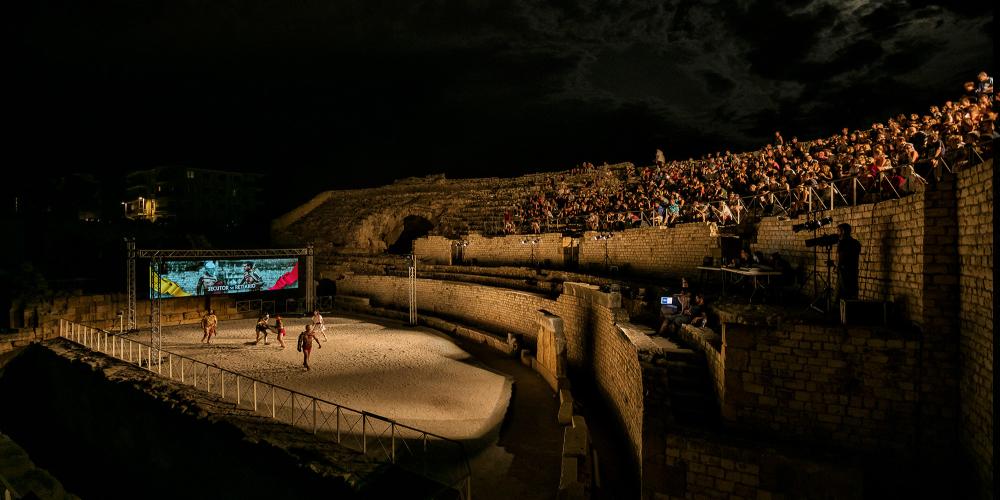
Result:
864,312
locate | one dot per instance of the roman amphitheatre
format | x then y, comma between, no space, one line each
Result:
501,337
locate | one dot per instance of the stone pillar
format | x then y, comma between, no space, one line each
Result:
551,350
939,320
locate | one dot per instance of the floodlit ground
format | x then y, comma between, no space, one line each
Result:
415,376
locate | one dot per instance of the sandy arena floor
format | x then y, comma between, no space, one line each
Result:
416,376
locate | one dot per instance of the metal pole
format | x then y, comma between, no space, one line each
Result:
310,282
314,416
338,423
131,283
255,395
412,281
156,333
364,433
237,389
272,401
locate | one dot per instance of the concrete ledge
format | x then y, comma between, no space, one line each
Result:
362,305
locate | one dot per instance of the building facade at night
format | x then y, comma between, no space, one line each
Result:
193,196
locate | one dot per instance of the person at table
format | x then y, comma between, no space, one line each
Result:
746,259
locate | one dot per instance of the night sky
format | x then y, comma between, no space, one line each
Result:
339,94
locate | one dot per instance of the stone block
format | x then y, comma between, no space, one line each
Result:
574,442
565,415
575,491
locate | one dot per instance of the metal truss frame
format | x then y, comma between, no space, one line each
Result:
157,255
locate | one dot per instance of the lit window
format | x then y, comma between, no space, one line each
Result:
190,174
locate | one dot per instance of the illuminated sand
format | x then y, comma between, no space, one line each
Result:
414,375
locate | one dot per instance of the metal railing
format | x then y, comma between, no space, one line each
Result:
248,306
436,457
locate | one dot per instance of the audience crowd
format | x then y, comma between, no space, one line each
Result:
784,177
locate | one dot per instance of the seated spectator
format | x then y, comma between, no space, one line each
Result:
694,313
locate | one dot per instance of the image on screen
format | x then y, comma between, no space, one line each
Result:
184,278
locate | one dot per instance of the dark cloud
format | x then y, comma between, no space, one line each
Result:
379,90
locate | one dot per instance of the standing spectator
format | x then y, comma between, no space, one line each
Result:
661,159
208,324
318,323
848,255
305,345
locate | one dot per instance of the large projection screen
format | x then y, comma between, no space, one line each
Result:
185,278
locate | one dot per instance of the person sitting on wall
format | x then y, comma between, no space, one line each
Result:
694,313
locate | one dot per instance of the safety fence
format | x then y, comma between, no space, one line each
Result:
846,191
287,306
432,456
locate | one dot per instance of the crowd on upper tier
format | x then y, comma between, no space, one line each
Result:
889,159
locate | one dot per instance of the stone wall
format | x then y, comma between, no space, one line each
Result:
101,311
524,250
495,309
975,249
709,467
658,251
596,347
710,344
675,251
433,250
856,387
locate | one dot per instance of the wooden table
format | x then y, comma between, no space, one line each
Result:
755,274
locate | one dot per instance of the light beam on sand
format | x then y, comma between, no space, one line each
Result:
415,376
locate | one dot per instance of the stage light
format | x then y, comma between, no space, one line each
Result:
812,225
